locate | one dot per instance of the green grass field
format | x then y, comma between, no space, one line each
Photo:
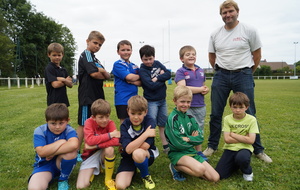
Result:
278,113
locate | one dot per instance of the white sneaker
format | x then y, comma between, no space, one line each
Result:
264,157
209,151
248,177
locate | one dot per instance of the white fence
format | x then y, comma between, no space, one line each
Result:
18,82
9,82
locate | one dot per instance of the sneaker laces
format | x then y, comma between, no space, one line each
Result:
148,179
177,175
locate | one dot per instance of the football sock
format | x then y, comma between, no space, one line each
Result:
67,167
143,167
109,167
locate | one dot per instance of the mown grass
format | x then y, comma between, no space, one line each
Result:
278,113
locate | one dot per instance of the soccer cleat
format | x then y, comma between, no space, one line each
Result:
149,183
248,177
79,159
110,184
176,174
202,155
264,157
63,185
166,150
209,151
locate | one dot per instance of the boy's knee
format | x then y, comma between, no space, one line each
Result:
70,155
109,152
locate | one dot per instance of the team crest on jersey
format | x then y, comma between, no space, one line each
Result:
181,129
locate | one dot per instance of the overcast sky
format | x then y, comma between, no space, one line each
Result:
170,24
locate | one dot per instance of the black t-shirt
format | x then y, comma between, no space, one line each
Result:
89,89
55,95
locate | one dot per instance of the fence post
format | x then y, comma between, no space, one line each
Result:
8,83
26,82
32,83
18,82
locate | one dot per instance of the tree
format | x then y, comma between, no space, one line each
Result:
32,32
263,70
6,50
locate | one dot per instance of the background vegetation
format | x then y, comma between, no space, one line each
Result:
277,101
24,37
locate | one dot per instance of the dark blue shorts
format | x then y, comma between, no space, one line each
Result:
48,167
127,163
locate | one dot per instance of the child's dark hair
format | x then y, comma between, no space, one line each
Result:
147,51
56,112
137,103
239,99
124,42
55,47
100,107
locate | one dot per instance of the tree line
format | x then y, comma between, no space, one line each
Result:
24,37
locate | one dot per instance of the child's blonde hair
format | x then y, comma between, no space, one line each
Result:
184,49
180,91
137,103
96,35
55,47
100,107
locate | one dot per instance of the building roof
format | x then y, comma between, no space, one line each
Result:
275,65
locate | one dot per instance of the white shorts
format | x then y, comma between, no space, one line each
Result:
93,161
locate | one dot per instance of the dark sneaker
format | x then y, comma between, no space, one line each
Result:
176,174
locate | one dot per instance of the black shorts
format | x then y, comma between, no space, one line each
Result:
122,111
84,112
127,163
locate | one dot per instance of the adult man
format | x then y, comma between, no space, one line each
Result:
234,53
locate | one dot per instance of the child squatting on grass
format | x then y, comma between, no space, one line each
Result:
239,130
137,140
100,137
183,134
56,145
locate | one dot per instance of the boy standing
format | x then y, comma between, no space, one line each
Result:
56,76
183,133
56,145
240,130
100,137
154,76
192,76
126,79
91,74
137,140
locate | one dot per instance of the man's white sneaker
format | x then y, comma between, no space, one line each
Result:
248,177
264,157
208,151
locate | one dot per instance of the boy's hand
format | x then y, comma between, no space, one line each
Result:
205,90
186,139
49,158
195,133
150,132
115,134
